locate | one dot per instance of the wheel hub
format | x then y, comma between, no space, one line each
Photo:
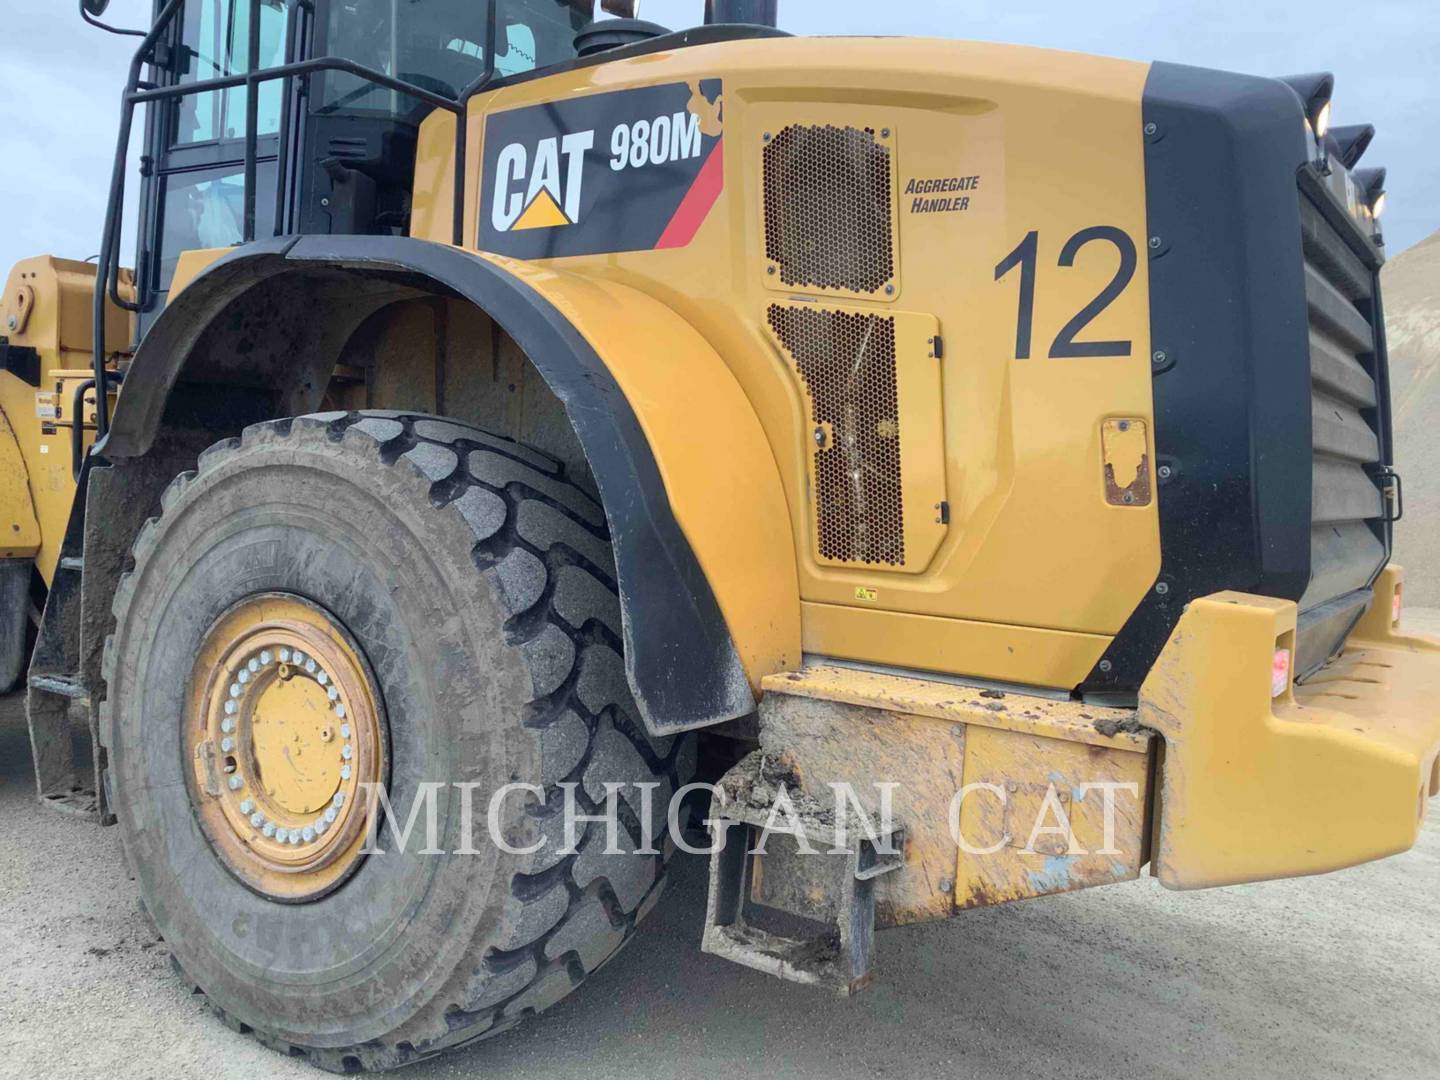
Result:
283,728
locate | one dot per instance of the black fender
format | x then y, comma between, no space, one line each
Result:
681,660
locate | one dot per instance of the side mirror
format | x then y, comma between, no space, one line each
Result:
621,9
95,7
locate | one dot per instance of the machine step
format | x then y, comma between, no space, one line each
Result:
67,686
811,881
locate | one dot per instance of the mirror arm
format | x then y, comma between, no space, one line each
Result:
89,9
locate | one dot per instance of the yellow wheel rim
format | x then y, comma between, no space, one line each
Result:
283,727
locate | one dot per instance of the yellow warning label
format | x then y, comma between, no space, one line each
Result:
868,595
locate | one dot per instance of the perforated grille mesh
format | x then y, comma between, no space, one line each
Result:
848,365
828,208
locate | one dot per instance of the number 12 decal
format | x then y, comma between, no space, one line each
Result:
1065,346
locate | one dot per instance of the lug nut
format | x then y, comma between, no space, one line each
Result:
231,707
282,835
332,693
227,725
284,656
340,711
234,690
322,678
345,731
253,666
227,744
307,834
266,658
236,783
344,772
247,806
267,830
257,819
347,752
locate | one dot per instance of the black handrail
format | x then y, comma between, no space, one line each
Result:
77,418
293,46
252,124
136,93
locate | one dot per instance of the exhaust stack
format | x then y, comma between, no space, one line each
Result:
754,12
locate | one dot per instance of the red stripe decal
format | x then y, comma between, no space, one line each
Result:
695,207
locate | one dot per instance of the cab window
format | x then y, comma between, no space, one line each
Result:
440,45
215,42
206,209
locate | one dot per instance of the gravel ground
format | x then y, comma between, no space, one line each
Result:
1328,977
1411,284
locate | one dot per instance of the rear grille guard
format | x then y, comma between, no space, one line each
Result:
1236,374
1350,518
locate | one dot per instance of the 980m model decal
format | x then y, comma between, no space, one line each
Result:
632,170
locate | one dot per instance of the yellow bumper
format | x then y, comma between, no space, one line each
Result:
1326,775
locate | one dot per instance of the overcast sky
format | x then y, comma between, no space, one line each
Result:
60,81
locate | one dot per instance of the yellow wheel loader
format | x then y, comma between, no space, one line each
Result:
953,473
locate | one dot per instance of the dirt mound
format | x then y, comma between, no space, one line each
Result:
1411,290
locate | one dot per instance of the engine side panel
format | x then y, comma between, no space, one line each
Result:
998,192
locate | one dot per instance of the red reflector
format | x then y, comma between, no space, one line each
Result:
1280,673
1395,606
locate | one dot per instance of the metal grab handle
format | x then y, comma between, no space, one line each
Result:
1389,480
77,419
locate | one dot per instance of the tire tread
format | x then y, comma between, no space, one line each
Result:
550,562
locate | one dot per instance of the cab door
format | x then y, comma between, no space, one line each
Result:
194,193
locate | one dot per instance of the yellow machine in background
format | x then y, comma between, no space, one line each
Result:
989,443
45,313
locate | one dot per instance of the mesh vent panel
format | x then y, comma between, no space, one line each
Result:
828,208
848,365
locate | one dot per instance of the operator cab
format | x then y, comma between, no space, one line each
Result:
352,142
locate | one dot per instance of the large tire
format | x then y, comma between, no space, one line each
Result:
479,583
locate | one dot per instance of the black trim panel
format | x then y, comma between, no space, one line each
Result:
683,665
22,361
1232,356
